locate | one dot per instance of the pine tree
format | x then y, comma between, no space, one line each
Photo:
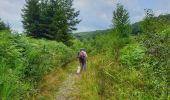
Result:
121,21
46,16
149,25
51,19
64,21
4,26
31,18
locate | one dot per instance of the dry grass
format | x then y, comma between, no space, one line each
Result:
50,84
87,87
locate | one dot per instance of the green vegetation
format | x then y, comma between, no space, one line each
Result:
134,67
133,73
50,19
120,65
121,21
163,20
84,36
24,61
131,67
4,26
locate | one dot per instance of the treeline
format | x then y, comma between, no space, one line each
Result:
164,19
136,28
50,19
84,36
4,26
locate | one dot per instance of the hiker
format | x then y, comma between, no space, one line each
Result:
82,59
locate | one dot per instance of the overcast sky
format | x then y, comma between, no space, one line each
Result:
95,14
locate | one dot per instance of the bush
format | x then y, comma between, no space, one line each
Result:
4,26
36,52
25,60
10,59
132,55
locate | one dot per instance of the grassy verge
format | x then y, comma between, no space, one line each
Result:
49,86
24,61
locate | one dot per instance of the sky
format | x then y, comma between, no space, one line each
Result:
95,14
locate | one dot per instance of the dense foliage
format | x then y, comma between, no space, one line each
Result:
121,21
162,21
51,19
84,36
24,61
31,18
134,73
132,55
4,26
120,66
130,68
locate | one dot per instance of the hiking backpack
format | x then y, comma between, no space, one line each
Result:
82,55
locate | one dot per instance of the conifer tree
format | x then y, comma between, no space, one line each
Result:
121,21
4,26
64,20
51,19
46,16
31,18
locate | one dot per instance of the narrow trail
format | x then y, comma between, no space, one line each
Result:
68,88
60,84
65,84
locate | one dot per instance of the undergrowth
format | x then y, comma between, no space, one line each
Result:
24,61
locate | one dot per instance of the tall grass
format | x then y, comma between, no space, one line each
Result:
24,61
123,70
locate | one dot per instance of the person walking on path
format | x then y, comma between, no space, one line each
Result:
83,59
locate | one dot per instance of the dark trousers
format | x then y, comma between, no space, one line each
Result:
83,64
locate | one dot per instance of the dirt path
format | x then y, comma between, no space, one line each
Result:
65,84
58,85
67,90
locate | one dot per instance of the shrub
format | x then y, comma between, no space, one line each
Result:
10,60
132,55
24,61
35,54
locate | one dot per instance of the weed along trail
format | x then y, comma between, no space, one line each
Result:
60,84
78,87
65,84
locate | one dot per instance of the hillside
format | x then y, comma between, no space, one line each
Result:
164,18
46,62
83,36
